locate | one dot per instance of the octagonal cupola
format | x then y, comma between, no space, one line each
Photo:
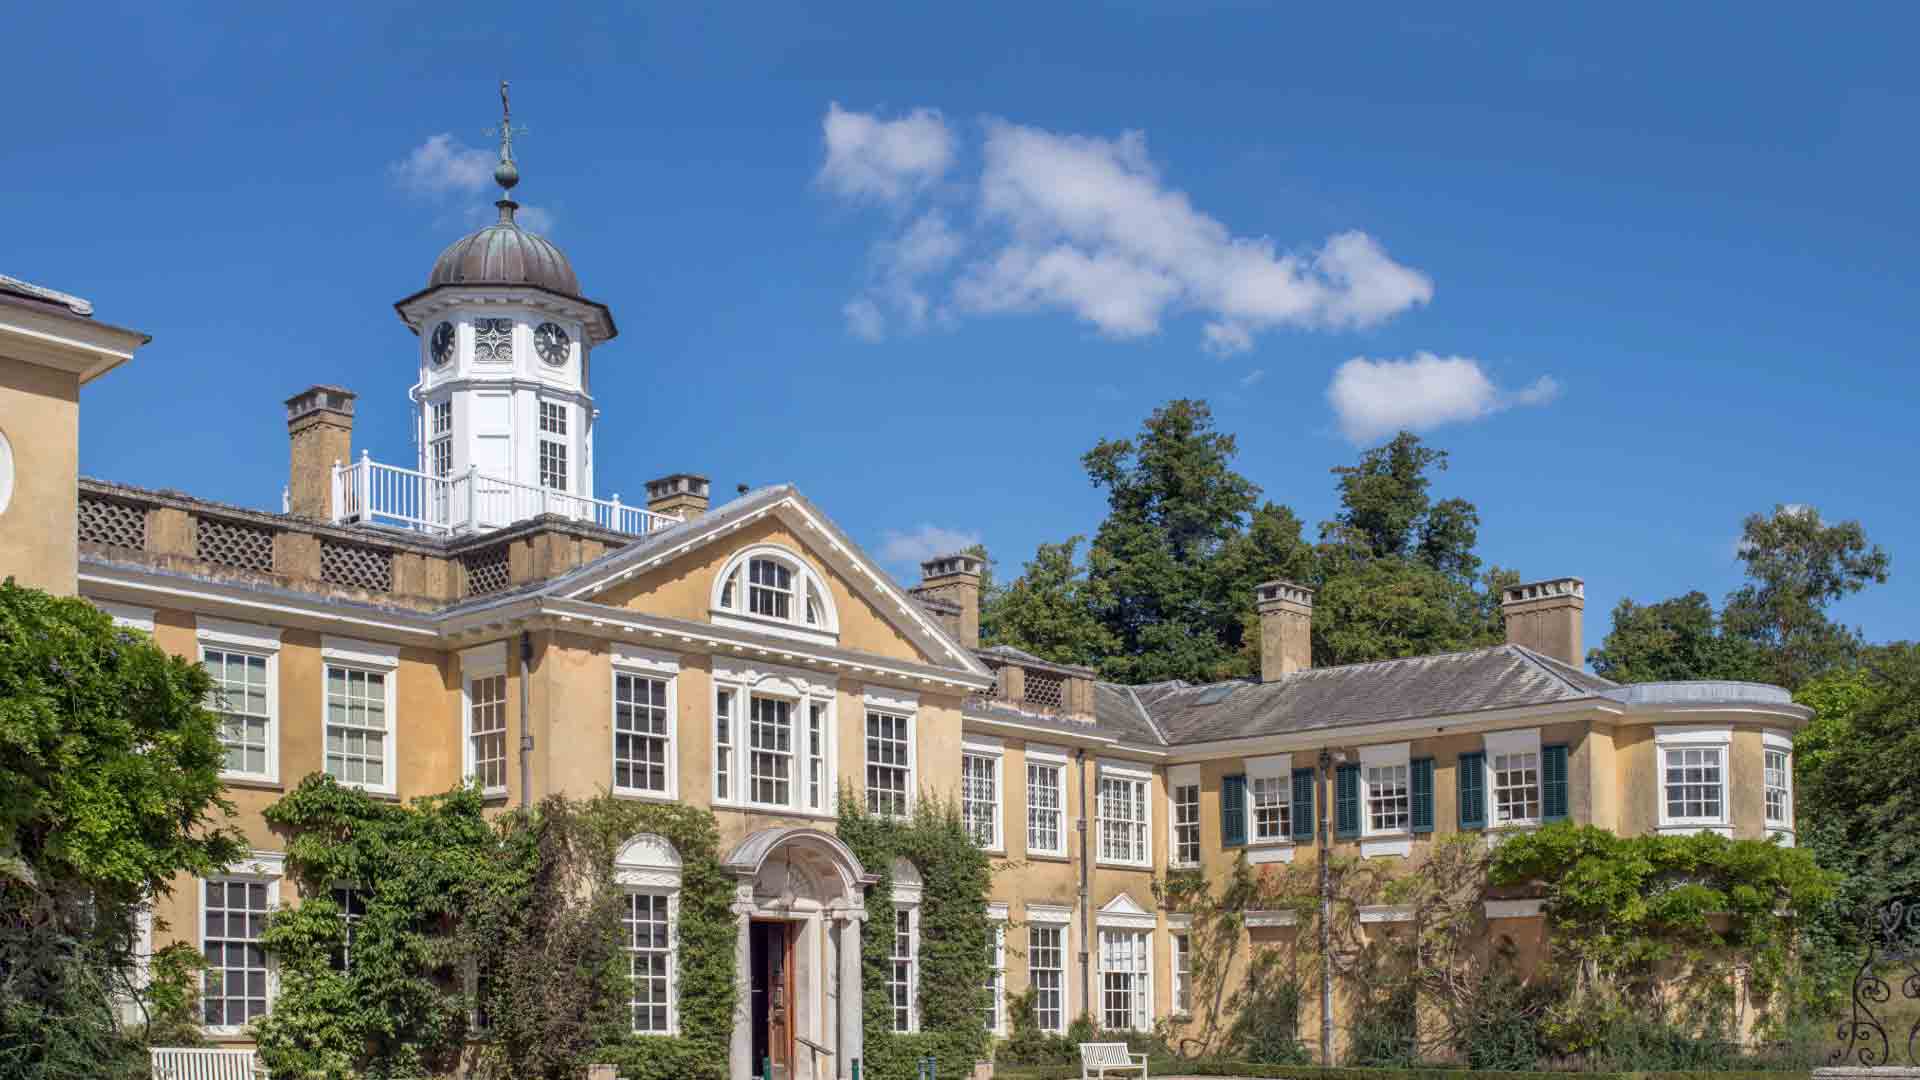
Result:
505,344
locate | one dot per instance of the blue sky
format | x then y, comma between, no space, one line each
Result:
1640,270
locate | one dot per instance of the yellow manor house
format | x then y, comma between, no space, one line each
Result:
478,614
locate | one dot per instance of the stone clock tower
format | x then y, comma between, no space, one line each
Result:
506,346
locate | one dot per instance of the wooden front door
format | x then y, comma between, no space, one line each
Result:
772,987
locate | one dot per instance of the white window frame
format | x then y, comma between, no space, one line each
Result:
1667,738
260,867
1182,778
992,752
731,608
1498,744
1139,944
368,658
997,926
560,440
1057,918
1179,945
802,690
1275,773
641,663
1385,841
912,961
649,864
477,663
1054,760
250,639
897,703
1777,742
1135,774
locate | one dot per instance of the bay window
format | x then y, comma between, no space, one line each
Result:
1777,776
1693,778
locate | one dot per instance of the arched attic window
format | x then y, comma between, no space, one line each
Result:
768,584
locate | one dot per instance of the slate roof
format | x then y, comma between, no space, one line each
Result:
1499,677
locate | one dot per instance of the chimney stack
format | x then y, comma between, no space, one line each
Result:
320,431
683,495
1546,616
956,579
1286,628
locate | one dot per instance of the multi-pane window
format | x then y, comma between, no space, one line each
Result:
487,730
1124,989
816,755
769,588
641,738
1779,790
980,798
889,763
1272,808
1123,820
553,450
1044,824
650,960
357,726
770,763
235,989
1182,975
996,975
1186,825
353,907
722,744
239,696
440,453
1694,783
1516,788
1046,969
900,974
1387,800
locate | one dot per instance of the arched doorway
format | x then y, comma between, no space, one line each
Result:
799,901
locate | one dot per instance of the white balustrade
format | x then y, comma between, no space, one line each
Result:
366,492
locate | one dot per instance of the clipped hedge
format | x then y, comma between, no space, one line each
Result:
1313,1072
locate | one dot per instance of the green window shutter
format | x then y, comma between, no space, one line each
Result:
1472,779
1422,795
1553,783
1303,805
1346,802
1233,811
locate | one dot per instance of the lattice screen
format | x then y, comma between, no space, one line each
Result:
106,521
356,567
1046,691
235,544
487,570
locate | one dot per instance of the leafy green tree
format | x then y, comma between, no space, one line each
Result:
1380,609
1671,640
1047,611
1387,513
1797,566
1857,774
109,787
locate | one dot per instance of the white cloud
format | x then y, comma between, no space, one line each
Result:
444,166
1252,377
1373,398
872,158
1086,225
928,245
864,320
923,543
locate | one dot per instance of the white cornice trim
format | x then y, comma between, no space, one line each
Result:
1388,731
240,602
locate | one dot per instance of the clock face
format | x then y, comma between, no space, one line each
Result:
442,344
552,343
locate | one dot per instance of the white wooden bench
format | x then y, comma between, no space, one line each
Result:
196,1063
1099,1059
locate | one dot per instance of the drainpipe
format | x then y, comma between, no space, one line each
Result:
1086,895
1326,911
526,735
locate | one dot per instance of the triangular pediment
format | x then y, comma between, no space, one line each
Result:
1123,904
678,573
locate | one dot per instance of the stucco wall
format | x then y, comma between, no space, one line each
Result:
40,417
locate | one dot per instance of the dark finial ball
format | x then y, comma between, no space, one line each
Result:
506,175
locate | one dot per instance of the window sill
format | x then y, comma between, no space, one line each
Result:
778,811
1183,866
1384,844
1112,864
643,795
1049,856
1271,851
767,624
1689,828
258,783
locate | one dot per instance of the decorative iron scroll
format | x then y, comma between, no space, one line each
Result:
1893,940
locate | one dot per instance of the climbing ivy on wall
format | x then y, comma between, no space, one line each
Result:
954,936
1645,935
527,900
